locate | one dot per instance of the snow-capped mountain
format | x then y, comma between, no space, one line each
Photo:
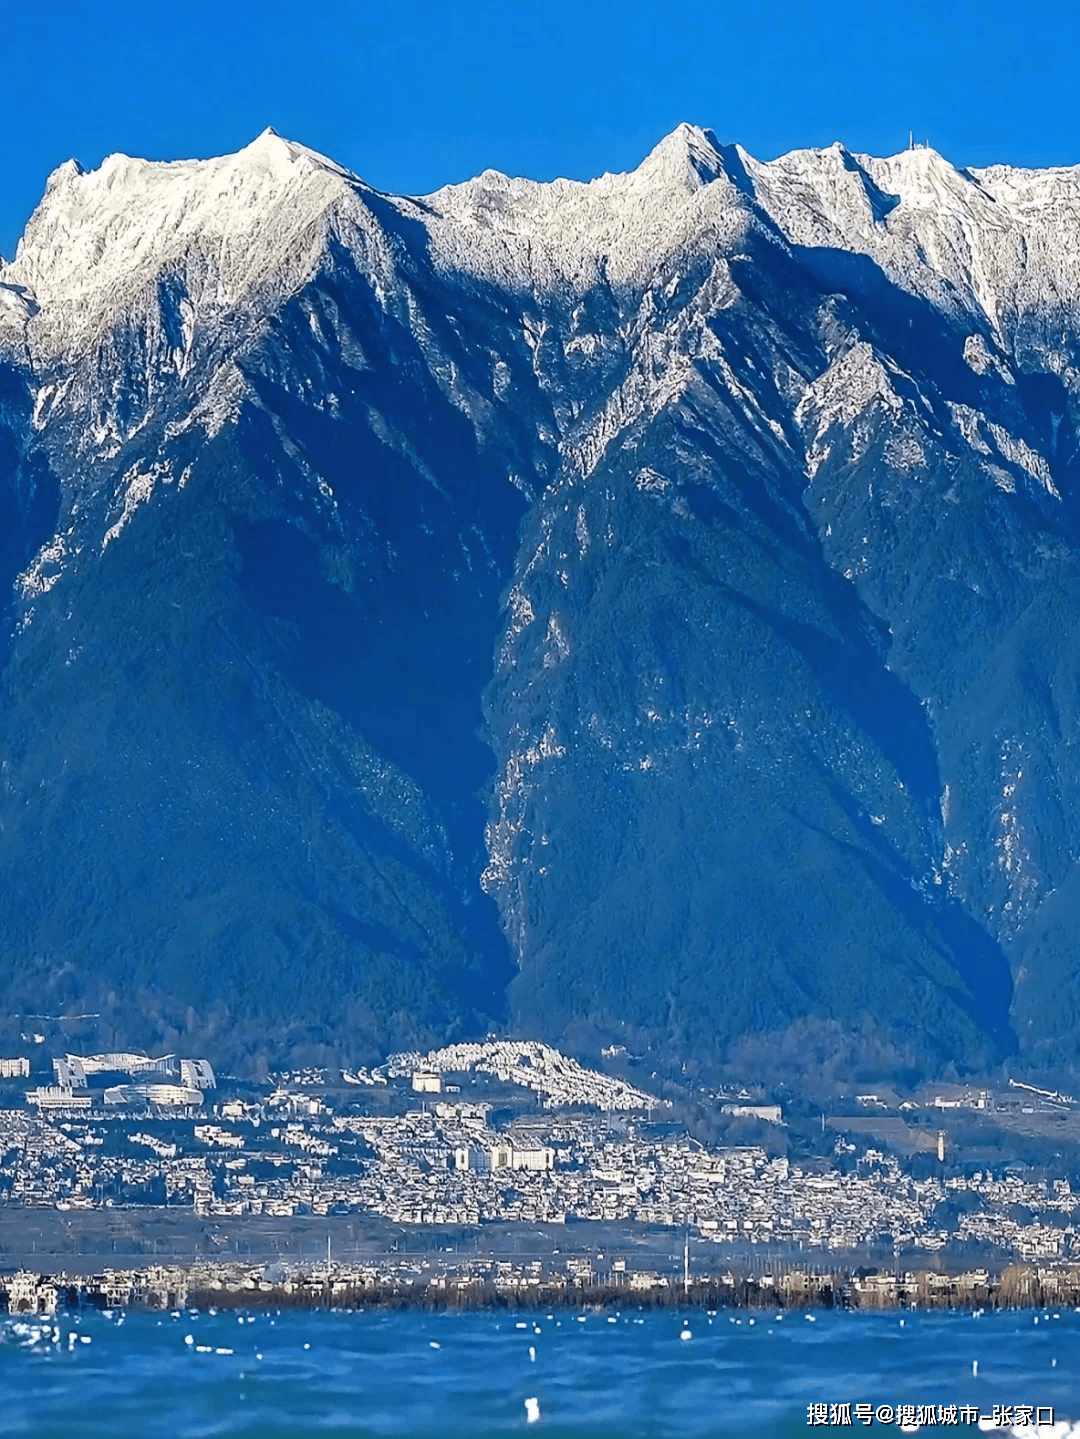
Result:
638,608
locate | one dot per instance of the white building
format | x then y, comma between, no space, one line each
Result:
70,1073
771,1113
472,1157
501,1155
506,1155
214,1134
55,1096
14,1068
197,1074
535,1160
161,1096
124,1063
424,1082
30,1294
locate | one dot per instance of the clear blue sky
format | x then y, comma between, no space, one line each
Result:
414,93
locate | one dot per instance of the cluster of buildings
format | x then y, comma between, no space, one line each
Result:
584,1279
111,1080
446,1165
481,1133
633,1172
557,1080
38,1162
1049,1230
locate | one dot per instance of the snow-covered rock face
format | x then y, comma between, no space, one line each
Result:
99,241
994,242
568,235
992,245
684,563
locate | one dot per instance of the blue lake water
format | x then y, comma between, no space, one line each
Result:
473,1375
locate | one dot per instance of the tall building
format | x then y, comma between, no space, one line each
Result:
197,1074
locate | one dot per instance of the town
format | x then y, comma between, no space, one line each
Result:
474,1136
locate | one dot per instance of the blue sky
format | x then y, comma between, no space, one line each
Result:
411,95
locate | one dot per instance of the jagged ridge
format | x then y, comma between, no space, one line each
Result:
733,502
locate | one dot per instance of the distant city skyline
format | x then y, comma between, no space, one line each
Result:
515,1132
415,97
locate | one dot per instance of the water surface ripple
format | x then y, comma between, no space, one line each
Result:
471,1375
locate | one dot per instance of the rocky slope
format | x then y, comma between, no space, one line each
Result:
639,609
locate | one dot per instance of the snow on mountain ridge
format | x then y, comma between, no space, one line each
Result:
574,233
761,486
990,244
99,238
993,244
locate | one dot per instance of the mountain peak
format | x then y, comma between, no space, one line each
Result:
689,155
680,549
69,170
268,144
274,149
100,237
267,141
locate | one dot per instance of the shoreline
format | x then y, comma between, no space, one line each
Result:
163,1287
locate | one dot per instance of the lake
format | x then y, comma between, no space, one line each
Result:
498,1372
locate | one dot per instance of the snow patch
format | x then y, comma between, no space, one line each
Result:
47,567
139,487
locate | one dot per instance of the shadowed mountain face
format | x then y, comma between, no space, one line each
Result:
642,610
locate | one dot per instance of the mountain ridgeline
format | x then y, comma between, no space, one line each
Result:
641,611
